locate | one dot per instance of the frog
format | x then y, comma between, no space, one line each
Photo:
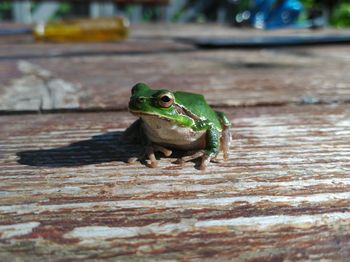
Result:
176,120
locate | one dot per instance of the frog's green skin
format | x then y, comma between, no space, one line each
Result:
182,121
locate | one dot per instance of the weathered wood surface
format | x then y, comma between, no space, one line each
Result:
99,76
283,195
179,30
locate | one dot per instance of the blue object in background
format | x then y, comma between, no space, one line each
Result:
271,14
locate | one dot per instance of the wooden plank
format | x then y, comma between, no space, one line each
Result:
28,85
234,78
175,30
190,30
67,194
102,74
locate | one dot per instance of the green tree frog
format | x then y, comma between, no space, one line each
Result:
176,120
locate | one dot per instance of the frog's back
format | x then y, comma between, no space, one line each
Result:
198,106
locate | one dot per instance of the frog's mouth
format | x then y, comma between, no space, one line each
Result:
141,113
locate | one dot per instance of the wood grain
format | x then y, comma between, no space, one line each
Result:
101,75
66,192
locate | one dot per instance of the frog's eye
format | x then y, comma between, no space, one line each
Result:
165,100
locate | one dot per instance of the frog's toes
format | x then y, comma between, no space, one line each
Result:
215,159
146,156
185,159
165,151
150,150
205,159
132,160
149,157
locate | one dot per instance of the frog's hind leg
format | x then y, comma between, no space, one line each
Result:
192,156
205,159
135,133
225,139
151,158
207,154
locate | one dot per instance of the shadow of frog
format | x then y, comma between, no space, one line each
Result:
102,148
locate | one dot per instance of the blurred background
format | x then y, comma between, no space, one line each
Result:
267,14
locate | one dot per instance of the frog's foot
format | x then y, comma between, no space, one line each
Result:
205,159
149,156
215,159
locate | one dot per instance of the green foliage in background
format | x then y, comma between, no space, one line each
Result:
308,3
5,9
64,10
341,15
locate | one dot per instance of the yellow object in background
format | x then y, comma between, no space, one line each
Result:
83,30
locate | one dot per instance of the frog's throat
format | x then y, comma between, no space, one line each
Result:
172,134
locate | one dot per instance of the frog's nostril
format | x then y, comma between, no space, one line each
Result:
136,102
140,100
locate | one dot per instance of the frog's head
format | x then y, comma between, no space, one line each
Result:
159,103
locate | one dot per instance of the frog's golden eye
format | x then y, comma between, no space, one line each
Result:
165,100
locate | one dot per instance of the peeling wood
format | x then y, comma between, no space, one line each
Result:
238,224
67,193
9,231
38,90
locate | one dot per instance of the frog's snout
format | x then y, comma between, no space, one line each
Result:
136,102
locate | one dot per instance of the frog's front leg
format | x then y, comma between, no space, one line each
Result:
149,156
207,154
135,133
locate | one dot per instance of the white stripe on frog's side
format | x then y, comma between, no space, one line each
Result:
184,111
165,132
